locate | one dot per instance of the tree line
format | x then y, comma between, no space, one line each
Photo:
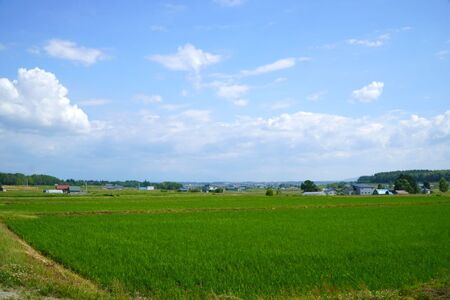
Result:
417,175
39,179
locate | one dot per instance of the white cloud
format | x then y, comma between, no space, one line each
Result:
148,99
191,145
37,101
230,3
280,64
232,91
71,51
374,43
316,96
94,102
369,92
187,58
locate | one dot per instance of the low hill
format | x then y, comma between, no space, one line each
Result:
418,175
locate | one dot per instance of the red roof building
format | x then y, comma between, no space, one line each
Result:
62,187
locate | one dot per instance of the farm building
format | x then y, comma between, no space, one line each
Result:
348,190
62,187
2,189
425,191
208,188
74,189
362,189
330,191
147,188
110,186
314,194
53,191
382,192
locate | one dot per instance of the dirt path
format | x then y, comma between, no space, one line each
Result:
27,274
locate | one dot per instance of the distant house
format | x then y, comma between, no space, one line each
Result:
362,189
110,186
74,189
322,193
209,188
348,190
150,188
2,189
330,191
425,191
62,187
53,191
401,192
382,192
183,189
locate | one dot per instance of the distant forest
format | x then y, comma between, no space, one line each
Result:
418,175
38,179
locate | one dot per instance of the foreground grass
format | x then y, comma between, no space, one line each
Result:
284,252
25,274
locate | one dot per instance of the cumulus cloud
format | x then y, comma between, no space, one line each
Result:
278,65
373,43
36,101
369,93
291,136
187,58
229,3
69,50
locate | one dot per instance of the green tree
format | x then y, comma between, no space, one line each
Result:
426,185
407,183
269,192
443,185
309,186
380,186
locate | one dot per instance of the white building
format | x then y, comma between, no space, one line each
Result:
314,194
54,191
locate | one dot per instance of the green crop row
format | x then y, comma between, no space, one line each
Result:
245,253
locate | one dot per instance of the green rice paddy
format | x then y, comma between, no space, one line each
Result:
248,246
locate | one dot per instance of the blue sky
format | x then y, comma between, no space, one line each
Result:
224,89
